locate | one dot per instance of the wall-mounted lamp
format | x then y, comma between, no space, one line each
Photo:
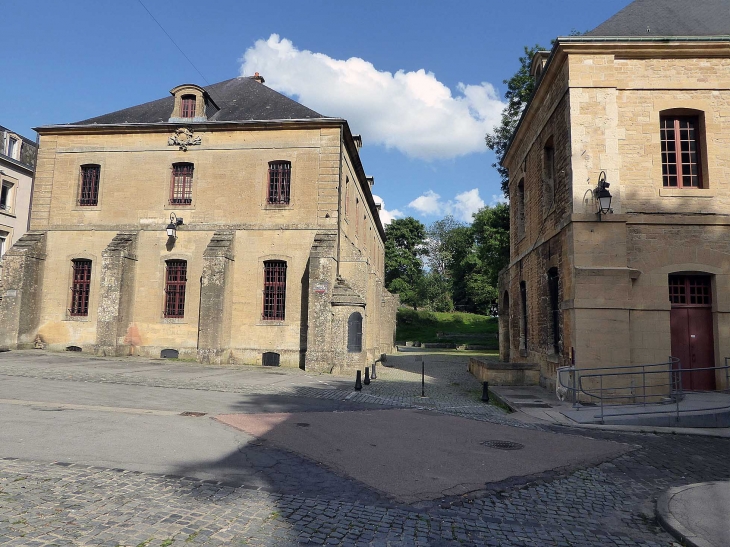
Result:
603,196
172,227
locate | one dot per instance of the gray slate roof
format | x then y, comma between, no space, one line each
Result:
239,99
668,18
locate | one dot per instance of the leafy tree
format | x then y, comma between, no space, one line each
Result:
491,236
441,243
519,90
405,243
435,292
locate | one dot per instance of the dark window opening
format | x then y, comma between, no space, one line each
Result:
270,359
181,188
554,288
521,208
187,106
549,173
89,191
80,288
274,290
681,161
175,281
5,197
354,333
690,291
523,329
279,182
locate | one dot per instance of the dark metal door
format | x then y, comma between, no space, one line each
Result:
691,330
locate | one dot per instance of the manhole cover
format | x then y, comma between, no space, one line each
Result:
503,445
302,424
193,414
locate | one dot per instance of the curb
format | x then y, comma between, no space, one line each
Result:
672,525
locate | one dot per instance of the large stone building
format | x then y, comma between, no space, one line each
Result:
642,102
227,223
17,164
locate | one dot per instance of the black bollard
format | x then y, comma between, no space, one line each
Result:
367,376
373,376
485,392
358,381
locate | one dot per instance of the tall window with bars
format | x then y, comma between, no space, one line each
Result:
176,277
181,187
274,290
279,183
89,189
80,288
681,159
187,106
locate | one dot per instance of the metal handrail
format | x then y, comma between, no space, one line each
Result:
674,393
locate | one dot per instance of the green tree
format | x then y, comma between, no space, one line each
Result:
519,90
491,236
405,244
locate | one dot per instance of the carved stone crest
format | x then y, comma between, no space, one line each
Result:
183,137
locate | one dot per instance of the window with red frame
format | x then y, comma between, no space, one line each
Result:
181,187
681,161
279,182
89,191
274,290
176,278
187,106
80,288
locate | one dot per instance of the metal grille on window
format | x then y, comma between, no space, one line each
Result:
175,281
680,157
80,288
187,106
89,192
274,290
354,333
279,182
181,189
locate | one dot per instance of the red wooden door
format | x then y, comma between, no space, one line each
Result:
691,330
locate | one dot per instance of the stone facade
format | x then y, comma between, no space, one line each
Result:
597,107
229,231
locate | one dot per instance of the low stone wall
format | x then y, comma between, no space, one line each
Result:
505,374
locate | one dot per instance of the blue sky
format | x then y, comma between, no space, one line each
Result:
420,80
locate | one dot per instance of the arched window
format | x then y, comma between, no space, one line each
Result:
187,106
181,186
279,183
554,312
176,278
548,170
274,290
523,322
521,209
80,288
354,333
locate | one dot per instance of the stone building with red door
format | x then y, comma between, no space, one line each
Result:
637,110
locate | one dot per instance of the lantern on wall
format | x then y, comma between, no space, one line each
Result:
172,227
602,195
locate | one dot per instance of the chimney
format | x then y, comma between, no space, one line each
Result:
358,141
258,78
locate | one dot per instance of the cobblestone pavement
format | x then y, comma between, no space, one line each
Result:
61,504
450,388
284,499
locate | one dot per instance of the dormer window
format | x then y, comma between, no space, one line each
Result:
192,104
187,106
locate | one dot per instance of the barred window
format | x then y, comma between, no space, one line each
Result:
89,191
80,288
181,187
187,106
279,182
690,290
274,290
175,280
681,162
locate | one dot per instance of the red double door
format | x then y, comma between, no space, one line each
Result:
691,327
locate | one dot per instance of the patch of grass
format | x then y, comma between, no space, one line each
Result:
20,521
191,537
422,326
167,542
145,543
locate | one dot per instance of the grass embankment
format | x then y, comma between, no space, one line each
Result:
457,327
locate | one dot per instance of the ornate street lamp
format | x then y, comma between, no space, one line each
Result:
603,196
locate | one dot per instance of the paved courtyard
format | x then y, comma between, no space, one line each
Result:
93,452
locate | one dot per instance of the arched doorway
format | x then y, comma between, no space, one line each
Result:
691,328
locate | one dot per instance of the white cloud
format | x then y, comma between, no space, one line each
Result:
386,217
496,199
462,207
411,111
